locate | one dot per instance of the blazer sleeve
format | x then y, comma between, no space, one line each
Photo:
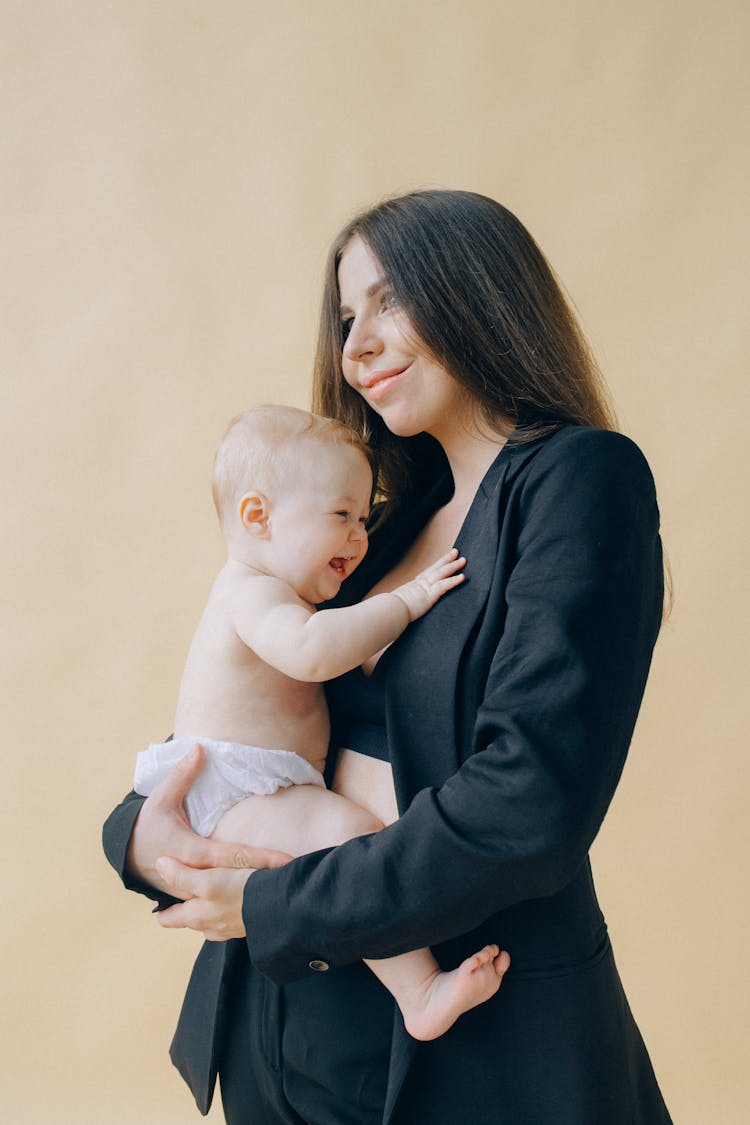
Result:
582,610
116,833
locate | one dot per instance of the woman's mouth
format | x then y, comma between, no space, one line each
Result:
378,383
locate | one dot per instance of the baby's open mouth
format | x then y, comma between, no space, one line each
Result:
339,565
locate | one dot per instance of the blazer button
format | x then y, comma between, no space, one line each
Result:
319,966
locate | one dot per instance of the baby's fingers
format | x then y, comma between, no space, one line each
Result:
449,574
443,585
429,586
445,566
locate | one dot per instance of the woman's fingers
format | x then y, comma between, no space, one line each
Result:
197,850
190,915
202,852
213,899
183,881
162,829
173,790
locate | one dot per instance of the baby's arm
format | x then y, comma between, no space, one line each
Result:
285,633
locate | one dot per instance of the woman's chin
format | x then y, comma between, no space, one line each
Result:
400,425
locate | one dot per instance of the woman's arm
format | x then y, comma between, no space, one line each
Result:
515,822
140,830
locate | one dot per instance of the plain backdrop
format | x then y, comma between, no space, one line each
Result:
172,173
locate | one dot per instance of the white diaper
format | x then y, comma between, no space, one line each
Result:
231,771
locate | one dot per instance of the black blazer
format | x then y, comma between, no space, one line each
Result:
510,708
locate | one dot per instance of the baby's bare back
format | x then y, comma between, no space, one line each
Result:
229,693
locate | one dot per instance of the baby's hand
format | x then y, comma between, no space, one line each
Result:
422,592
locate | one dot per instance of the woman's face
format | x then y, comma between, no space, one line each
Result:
385,361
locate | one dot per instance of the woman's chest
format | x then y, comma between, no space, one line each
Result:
435,539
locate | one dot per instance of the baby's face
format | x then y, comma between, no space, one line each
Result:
318,534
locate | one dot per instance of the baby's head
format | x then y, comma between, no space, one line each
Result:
292,491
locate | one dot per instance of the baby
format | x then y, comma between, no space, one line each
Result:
293,494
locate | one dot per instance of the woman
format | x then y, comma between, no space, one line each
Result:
508,712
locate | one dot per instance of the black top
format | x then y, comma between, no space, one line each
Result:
357,706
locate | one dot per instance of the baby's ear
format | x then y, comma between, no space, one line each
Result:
254,512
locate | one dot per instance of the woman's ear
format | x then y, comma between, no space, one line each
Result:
254,512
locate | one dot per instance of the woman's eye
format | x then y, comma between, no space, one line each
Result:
346,327
388,300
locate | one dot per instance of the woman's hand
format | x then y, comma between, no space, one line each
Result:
162,829
213,903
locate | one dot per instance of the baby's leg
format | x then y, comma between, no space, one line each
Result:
296,820
430,1000
304,818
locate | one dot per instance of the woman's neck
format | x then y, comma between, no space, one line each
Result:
470,452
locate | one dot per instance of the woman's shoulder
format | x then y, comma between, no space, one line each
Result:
579,472
585,453
574,441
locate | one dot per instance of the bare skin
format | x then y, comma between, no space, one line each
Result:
432,1004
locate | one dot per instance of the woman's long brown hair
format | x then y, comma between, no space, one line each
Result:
482,298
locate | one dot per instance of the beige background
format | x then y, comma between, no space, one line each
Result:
172,174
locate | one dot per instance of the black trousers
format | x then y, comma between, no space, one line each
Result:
314,1052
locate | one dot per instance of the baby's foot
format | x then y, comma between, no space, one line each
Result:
446,996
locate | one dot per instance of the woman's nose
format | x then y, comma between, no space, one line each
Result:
363,340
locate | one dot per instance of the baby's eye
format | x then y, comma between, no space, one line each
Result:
344,515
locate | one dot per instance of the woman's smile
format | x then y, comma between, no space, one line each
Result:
378,383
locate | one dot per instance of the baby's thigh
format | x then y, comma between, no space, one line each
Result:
296,820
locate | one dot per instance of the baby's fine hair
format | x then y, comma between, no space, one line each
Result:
261,450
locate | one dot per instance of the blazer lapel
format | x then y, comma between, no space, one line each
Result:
422,726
